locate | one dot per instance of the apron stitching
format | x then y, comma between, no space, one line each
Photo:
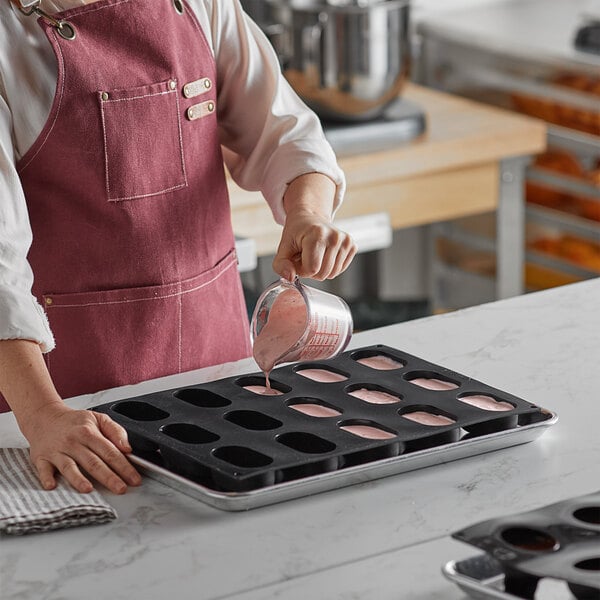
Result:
176,187
138,97
60,98
95,8
181,140
106,180
180,293
179,339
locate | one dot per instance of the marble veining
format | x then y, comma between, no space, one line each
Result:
349,542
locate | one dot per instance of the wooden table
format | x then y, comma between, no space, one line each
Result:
471,160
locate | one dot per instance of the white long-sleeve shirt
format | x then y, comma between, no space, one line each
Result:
269,137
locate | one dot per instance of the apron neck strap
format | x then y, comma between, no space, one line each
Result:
30,7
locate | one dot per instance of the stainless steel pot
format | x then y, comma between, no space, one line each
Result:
347,59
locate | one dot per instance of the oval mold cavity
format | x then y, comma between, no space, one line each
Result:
306,443
379,361
139,411
529,539
367,429
431,381
485,402
321,374
251,419
201,398
373,394
188,433
258,385
589,564
588,514
242,457
427,415
314,408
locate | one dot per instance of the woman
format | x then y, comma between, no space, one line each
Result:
115,118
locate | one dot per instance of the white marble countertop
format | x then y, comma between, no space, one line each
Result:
378,540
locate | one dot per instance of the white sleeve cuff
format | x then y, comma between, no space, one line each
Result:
298,158
22,318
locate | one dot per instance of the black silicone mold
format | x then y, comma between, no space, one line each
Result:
561,541
231,439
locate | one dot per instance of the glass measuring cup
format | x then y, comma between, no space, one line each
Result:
294,322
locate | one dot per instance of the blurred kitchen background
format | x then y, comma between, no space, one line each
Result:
530,221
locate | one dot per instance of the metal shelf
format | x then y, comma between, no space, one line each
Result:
557,264
565,183
578,225
576,141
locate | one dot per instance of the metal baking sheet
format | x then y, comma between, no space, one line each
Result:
481,578
238,501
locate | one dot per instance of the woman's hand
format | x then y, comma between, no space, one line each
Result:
75,442
311,246
63,439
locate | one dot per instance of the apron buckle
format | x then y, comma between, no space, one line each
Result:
65,29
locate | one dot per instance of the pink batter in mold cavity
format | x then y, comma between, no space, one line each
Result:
263,390
380,362
374,396
315,410
322,375
486,402
425,418
433,384
366,431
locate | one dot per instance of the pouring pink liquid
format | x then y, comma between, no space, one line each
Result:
293,322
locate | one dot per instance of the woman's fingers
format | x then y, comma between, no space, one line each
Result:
108,455
344,257
95,466
45,472
81,443
313,250
113,431
70,471
338,251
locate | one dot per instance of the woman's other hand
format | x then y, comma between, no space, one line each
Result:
311,246
74,442
79,443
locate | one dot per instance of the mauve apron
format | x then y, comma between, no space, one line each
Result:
133,252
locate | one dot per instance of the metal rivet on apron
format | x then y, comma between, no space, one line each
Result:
104,95
197,111
49,301
172,84
66,30
197,88
178,4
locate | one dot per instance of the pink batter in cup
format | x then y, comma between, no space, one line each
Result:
294,322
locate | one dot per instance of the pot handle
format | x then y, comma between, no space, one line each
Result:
313,64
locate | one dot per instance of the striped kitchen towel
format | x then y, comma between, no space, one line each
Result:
25,507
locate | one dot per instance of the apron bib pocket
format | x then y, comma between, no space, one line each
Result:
143,148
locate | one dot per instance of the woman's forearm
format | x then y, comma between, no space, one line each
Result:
311,193
24,380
